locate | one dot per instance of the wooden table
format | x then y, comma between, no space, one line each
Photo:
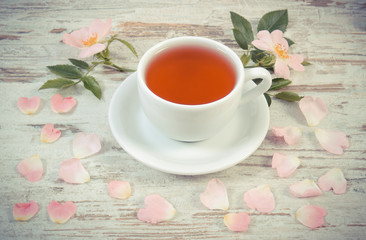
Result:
330,34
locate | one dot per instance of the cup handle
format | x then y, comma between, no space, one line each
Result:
253,73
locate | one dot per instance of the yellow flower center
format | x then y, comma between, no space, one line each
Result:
91,40
281,51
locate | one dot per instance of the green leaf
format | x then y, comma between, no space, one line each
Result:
274,20
66,71
129,45
278,83
245,59
257,55
263,59
79,63
289,96
289,41
58,83
268,99
306,63
240,39
91,84
242,31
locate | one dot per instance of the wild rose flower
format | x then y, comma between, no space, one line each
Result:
89,38
275,43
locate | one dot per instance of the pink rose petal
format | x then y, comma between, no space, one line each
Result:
260,198
119,189
281,68
72,171
313,110
49,134
61,212
311,216
332,141
31,168
333,179
85,145
62,105
90,51
295,62
156,210
215,195
305,188
285,164
237,222
28,106
25,211
291,135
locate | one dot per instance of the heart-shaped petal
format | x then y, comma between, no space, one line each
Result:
215,195
305,188
311,216
85,145
285,164
333,179
25,211
28,106
313,110
156,210
59,104
237,222
260,198
332,141
31,168
49,134
61,212
291,135
119,189
72,171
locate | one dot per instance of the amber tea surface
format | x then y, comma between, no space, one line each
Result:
190,75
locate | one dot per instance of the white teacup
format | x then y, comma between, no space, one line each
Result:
197,122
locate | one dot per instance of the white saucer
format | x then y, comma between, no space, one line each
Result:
237,141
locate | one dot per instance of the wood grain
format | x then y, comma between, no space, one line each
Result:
331,34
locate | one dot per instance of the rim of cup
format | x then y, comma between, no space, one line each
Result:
190,41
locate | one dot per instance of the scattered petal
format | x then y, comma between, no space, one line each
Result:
72,171
311,216
332,141
156,210
215,195
85,145
313,110
28,106
291,135
61,212
237,222
60,104
49,134
285,164
333,179
305,188
25,211
260,198
119,189
31,168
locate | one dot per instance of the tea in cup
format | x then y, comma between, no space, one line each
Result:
191,87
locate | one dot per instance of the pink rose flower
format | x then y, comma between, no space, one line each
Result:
89,38
276,44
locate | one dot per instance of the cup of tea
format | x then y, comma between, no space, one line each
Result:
191,87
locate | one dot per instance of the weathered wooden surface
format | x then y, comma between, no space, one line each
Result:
331,34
